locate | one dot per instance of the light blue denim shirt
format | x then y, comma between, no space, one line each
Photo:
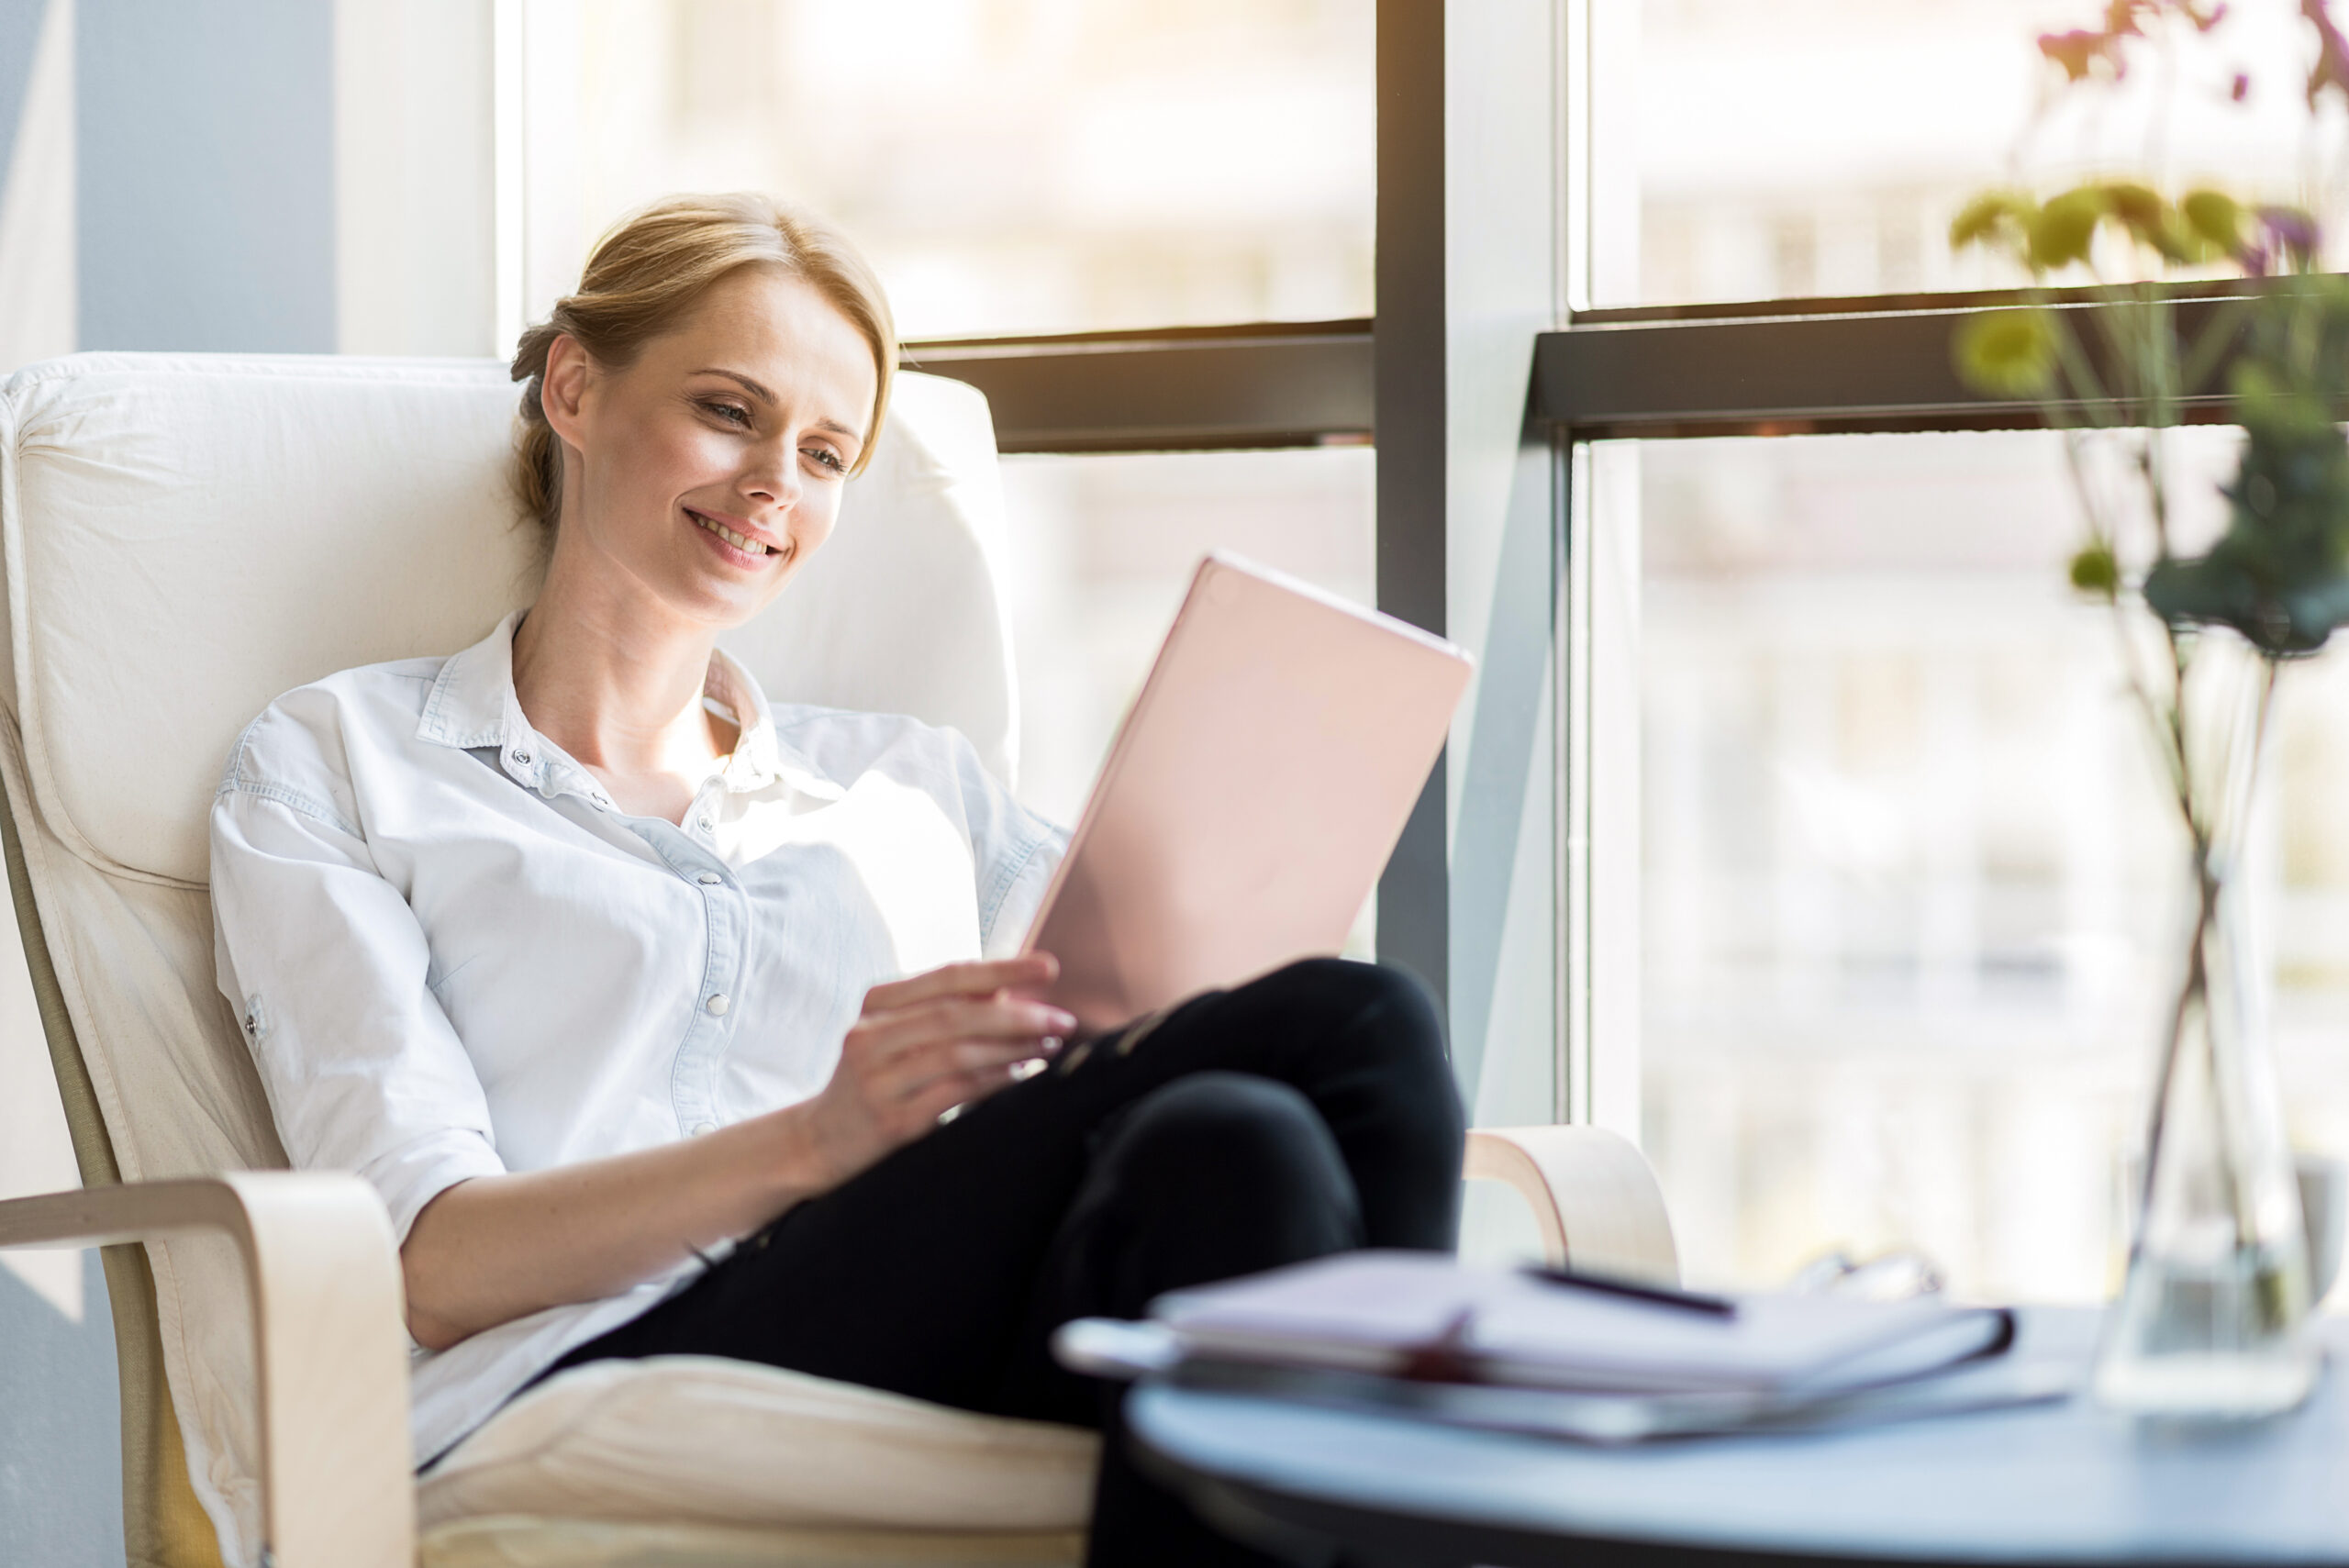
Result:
454,956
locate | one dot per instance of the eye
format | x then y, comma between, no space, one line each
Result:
732,413
826,456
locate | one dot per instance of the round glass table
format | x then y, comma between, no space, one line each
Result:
2058,1483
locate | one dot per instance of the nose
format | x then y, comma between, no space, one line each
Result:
772,475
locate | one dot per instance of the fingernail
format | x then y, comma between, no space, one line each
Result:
1064,1021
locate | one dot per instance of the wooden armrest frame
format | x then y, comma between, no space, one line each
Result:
337,1484
1592,1193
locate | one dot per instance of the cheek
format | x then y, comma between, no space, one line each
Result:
665,459
816,513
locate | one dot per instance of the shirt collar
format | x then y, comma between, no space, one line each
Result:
471,705
757,760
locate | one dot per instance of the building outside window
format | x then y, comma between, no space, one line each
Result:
1907,911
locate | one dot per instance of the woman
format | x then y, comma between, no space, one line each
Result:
639,1001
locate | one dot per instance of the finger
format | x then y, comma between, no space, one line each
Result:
911,1074
974,979
874,1040
996,1017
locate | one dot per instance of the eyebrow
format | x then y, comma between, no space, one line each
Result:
759,392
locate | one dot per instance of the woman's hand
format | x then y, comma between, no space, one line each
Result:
926,1044
493,1248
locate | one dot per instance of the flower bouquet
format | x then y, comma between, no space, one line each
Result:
2204,307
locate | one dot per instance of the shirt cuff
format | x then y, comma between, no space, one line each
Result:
410,1177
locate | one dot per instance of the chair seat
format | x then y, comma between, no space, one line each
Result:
673,1439
518,1541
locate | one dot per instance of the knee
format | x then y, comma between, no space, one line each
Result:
1246,1154
1377,1018
1379,1000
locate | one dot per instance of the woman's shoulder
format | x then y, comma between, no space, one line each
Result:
319,732
843,743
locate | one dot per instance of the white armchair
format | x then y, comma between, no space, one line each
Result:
184,538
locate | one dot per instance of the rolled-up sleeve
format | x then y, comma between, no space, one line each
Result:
327,969
1013,852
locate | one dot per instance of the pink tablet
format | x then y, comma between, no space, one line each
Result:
1252,796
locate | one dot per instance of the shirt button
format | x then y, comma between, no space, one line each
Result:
703,1129
522,758
717,1005
707,823
710,878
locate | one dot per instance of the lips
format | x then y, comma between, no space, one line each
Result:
740,542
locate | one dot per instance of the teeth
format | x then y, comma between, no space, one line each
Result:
729,536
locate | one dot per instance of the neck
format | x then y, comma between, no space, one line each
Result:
616,678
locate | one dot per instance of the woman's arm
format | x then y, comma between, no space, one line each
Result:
495,1248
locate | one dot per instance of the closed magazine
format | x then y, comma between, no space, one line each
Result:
1429,1318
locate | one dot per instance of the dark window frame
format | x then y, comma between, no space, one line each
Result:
1766,368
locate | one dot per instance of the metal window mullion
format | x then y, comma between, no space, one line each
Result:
1747,371
1572,595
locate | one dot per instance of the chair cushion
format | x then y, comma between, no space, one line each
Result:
718,1441
189,536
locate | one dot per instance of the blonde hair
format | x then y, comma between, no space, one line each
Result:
652,268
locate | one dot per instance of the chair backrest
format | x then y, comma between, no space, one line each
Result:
187,536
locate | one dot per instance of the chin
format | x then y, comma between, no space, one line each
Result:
726,606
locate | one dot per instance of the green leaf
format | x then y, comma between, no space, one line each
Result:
2216,217
2062,230
2139,208
1995,220
2151,222
2094,571
2005,353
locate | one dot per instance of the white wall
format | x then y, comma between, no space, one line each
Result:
271,175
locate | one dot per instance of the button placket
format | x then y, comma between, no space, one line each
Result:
694,1083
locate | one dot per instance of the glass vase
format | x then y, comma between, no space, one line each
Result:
2212,1322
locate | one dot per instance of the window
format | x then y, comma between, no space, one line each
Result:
1906,920
1818,148
1903,902
1019,167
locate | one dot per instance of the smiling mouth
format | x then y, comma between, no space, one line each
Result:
742,543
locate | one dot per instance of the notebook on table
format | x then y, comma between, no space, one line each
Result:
1549,1354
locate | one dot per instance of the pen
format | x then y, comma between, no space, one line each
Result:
1661,1296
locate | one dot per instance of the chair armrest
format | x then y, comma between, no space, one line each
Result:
1592,1193
338,1484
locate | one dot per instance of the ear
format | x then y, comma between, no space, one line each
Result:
564,388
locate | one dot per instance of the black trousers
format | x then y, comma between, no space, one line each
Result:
1306,1113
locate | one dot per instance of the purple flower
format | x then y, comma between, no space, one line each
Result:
2332,67
2084,50
2080,52
2290,230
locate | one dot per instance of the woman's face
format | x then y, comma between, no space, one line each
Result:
707,471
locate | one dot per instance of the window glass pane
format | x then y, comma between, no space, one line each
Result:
1099,551
1911,899
1015,166
1821,147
